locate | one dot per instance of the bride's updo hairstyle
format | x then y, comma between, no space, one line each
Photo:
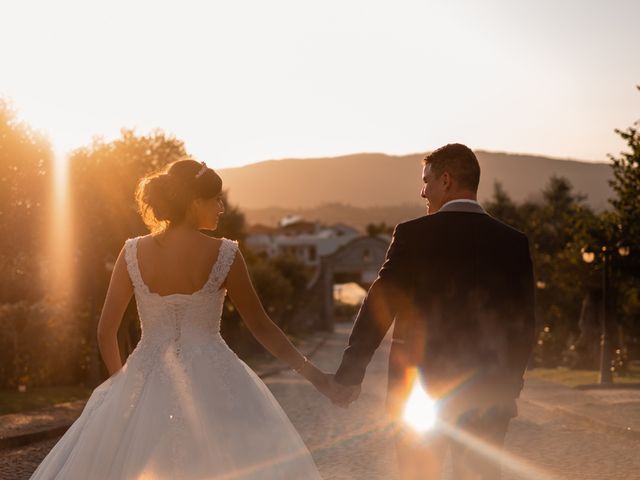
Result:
164,197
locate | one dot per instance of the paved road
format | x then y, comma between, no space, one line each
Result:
542,444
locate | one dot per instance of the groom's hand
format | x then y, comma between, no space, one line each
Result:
344,395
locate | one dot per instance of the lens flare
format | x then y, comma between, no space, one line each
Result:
420,411
59,281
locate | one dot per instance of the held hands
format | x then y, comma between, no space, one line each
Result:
340,395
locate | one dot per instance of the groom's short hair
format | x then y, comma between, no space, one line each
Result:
459,161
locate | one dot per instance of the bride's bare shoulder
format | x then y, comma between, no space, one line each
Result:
213,241
206,242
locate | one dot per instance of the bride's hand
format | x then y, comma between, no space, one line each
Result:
322,381
317,377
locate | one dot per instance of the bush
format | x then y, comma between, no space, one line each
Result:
41,345
281,286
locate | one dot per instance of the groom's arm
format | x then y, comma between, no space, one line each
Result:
522,331
376,313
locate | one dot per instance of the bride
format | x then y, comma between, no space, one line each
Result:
184,406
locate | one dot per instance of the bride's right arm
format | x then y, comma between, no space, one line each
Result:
246,301
118,297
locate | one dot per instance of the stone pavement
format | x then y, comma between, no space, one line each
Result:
614,409
561,433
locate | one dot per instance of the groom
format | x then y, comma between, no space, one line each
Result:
459,285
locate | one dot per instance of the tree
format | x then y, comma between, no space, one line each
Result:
102,181
501,206
626,231
26,162
626,185
552,226
281,285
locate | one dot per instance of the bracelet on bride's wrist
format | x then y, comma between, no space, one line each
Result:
301,367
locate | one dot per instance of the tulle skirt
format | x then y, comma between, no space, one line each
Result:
164,416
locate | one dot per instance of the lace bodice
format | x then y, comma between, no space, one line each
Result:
180,320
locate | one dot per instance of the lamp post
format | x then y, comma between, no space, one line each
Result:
605,253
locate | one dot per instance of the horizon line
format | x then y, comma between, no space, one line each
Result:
353,154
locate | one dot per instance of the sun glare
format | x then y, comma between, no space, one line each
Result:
420,411
60,247
61,176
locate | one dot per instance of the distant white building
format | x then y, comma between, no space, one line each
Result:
307,241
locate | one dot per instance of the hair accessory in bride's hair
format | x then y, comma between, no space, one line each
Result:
202,170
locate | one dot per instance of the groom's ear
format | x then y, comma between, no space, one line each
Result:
445,178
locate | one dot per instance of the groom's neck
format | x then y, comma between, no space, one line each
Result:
461,195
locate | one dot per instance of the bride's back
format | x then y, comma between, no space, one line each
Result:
178,264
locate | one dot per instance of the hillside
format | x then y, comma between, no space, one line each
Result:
366,180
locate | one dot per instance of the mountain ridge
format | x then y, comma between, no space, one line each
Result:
378,180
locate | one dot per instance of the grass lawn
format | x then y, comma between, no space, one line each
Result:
12,401
572,378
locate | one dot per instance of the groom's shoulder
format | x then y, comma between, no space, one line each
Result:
418,225
506,228
487,222
413,224
506,234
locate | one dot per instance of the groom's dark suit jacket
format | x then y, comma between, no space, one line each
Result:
459,285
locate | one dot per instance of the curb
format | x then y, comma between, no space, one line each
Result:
611,386
599,424
16,441
24,439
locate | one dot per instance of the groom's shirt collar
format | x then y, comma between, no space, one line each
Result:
460,200
462,205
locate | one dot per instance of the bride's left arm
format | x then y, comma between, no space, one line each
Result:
118,297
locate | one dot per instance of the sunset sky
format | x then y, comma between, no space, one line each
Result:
243,81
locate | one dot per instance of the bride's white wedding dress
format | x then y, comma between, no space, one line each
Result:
184,406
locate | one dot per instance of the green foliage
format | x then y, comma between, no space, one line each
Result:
102,181
40,344
26,162
553,226
558,227
297,276
624,229
375,229
281,285
501,206
626,203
